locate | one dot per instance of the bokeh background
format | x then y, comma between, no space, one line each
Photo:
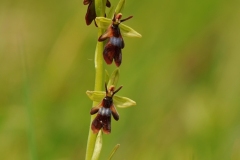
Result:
184,74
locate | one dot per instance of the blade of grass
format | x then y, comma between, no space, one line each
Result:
28,107
113,151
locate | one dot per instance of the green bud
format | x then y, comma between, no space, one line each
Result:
106,77
120,6
114,78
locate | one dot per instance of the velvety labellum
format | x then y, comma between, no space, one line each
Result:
104,111
115,44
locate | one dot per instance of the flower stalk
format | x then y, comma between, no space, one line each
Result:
100,11
98,87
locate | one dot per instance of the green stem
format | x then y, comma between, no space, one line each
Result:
100,11
98,87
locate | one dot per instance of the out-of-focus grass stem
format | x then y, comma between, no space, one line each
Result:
27,104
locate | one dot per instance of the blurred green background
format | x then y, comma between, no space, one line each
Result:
184,75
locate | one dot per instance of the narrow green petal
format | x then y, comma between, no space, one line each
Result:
96,96
123,102
98,146
128,31
120,6
103,22
114,78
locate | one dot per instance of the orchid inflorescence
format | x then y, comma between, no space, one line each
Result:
111,32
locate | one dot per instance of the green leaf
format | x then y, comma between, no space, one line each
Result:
114,78
128,31
98,146
123,102
120,6
96,96
113,151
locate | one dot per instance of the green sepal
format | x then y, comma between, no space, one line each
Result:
118,101
106,77
126,31
96,96
103,22
98,146
113,78
120,6
123,102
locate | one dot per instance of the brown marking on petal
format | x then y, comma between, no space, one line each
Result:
108,4
118,57
106,124
96,124
114,113
95,109
108,53
86,2
91,13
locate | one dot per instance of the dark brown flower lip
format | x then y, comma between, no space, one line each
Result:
91,13
85,2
